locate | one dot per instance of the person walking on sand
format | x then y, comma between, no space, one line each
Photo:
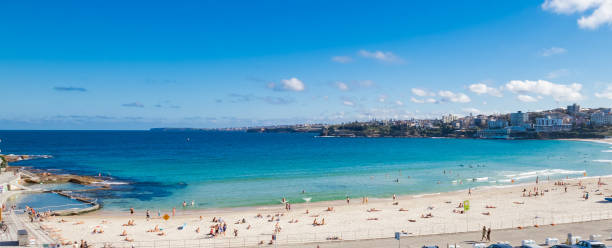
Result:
348,200
489,234
173,211
470,191
132,211
484,233
148,215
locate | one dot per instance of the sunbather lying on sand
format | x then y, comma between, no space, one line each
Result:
129,223
403,209
372,218
156,229
373,210
429,215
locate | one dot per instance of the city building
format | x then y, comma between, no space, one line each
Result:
552,124
573,109
497,123
519,119
601,118
499,133
449,118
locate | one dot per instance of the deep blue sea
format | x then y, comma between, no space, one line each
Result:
234,169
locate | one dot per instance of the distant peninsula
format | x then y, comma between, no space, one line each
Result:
572,122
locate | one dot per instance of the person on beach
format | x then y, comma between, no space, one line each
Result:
131,211
348,200
489,234
484,233
173,211
184,204
469,191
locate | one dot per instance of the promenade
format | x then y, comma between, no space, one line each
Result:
15,221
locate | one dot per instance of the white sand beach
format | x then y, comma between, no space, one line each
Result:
496,207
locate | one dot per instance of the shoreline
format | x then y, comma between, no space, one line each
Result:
511,210
102,184
600,141
379,218
324,203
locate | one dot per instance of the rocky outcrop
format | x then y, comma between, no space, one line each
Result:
47,177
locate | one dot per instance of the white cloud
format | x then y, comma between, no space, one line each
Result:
419,92
348,103
422,92
428,100
559,92
382,98
379,55
601,11
449,96
557,73
481,88
399,103
471,110
414,100
292,84
552,51
342,86
607,93
342,59
526,98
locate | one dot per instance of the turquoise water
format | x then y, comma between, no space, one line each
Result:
45,201
231,169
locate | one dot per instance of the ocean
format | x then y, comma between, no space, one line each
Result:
236,169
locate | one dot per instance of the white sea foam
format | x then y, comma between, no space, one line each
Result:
603,160
607,150
421,195
542,173
112,183
482,179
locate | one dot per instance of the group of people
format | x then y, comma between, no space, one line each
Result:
536,191
486,234
35,215
83,244
219,228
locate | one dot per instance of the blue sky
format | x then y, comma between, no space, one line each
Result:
136,65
